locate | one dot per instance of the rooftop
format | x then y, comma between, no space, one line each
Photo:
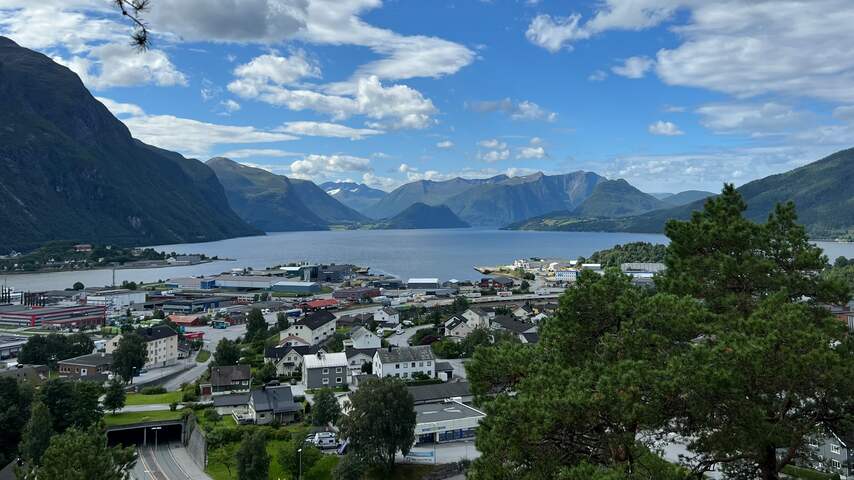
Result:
278,399
443,412
406,354
423,280
229,374
439,391
90,359
325,360
159,332
316,320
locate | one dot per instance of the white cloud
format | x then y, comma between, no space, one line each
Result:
445,144
634,67
528,153
259,152
665,128
324,129
184,135
492,143
118,65
754,119
536,141
276,69
406,168
230,105
598,76
553,33
494,155
524,110
382,183
845,112
321,166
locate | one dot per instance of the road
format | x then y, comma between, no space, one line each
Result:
211,339
167,462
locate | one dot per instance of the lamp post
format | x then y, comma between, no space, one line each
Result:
300,464
156,429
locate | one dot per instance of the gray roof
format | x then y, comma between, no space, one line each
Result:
231,400
92,359
277,399
511,324
444,367
352,352
439,391
441,412
159,332
229,374
406,354
532,337
316,319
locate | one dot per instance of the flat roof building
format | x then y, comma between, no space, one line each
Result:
422,283
10,345
76,316
446,421
296,287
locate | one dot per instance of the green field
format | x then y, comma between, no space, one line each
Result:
322,470
203,356
127,418
157,399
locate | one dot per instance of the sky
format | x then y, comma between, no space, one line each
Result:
670,95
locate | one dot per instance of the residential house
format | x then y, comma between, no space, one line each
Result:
314,328
833,452
354,320
387,315
325,370
457,328
477,317
404,362
230,379
34,374
510,324
362,338
523,312
161,343
273,403
288,358
293,341
90,364
357,357
497,283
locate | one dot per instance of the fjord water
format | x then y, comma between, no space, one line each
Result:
442,253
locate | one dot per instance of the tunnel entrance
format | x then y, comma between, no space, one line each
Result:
145,434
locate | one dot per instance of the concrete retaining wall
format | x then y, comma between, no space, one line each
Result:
197,445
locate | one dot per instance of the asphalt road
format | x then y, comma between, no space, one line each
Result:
167,462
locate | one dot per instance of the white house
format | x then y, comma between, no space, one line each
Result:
404,362
478,318
288,358
387,315
457,328
362,338
566,275
313,328
161,342
356,357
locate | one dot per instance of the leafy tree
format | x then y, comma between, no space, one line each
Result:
381,422
130,356
15,401
253,461
58,395
267,372
84,455
525,286
256,326
78,344
78,286
282,321
636,252
114,397
326,408
37,434
289,457
350,467
461,304
85,407
224,456
227,352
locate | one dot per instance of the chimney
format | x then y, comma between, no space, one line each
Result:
389,349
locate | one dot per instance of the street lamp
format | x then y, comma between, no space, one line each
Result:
300,464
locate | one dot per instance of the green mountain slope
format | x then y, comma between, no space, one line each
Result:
324,206
72,171
617,198
686,197
820,190
425,191
357,196
421,216
267,201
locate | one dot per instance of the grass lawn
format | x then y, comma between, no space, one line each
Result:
203,356
159,398
127,418
322,470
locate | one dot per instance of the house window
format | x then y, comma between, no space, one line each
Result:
325,371
834,448
326,381
420,364
836,463
337,379
405,375
396,365
337,369
428,363
413,364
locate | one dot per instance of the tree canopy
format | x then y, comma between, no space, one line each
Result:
227,352
734,350
51,348
130,356
84,455
253,461
325,409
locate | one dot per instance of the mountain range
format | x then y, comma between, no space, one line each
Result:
357,196
819,190
419,216
72,171
276,203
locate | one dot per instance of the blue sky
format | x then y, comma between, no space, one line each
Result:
668,94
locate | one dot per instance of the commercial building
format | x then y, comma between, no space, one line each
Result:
296,287
445,421
191,283
161,344
86,365
439,392
422,283
324,370
115,299
246,282
10,345
356,294
405,362
186,306
76,316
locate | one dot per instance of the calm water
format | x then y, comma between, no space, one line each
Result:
444,254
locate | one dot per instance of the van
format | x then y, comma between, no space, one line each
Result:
323,440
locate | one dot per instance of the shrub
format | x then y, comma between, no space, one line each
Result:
152,390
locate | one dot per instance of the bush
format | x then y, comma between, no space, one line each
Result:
211,415
152,390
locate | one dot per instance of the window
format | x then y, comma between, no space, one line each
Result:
834,448
420,364
326,381
836,463
428,363
405,375
413,364
337,369
396,365
325,371
337,379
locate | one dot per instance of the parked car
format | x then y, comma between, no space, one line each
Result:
323,440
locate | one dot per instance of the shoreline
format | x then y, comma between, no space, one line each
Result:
120,267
